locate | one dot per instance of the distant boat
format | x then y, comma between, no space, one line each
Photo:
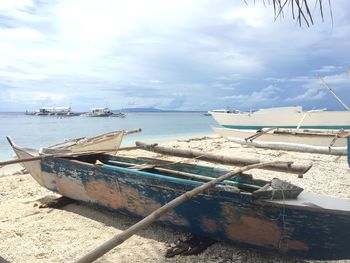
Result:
103,112
284,117
314,141
209,113
272,216
53,111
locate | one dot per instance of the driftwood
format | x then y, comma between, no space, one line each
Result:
282,167
126,234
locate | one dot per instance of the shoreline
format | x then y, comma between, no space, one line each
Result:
30,234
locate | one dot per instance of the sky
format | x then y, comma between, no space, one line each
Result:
172,55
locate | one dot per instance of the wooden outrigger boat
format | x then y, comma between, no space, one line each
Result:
284,117
313,141
268,216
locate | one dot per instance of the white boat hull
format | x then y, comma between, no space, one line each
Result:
284,119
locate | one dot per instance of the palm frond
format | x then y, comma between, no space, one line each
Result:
299,8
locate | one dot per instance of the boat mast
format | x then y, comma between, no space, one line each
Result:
332,91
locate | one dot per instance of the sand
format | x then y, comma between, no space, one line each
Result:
30,234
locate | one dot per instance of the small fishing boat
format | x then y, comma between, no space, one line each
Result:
272,216
302,140
103,112
53,111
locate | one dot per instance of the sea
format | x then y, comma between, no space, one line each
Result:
42,131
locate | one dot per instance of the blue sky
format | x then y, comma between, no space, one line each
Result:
184,55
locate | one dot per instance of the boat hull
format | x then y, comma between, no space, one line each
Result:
293,228
307,120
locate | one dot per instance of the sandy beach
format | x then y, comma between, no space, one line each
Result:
32,234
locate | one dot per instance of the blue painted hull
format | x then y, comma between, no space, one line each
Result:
298,230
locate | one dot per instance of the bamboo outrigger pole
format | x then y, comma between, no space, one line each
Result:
224,159
126,234
332,91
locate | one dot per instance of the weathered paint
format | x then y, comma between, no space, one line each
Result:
219,213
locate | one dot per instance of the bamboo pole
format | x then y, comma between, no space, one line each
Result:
175,173
258,134
281,167
332,91
126,234
293,147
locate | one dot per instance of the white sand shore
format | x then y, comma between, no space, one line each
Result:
30,234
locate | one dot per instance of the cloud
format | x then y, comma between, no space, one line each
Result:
185,54
328,69
267,94
310,94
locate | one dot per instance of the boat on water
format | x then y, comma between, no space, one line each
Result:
227,110
103,112
303,140
53,111
272,216
284,117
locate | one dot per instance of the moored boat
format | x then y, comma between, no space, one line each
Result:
284,117
243,210
103,112
54,111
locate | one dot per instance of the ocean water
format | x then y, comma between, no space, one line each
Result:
41,131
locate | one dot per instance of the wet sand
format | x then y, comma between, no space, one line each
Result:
30,234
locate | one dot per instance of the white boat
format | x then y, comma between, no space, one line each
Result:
103,112
284,117
99,112
54,111
314,141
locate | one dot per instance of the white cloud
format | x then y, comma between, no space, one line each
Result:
267,94
327,69
203,50
310,94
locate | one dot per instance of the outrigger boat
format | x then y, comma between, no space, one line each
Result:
272,216
302,140
284,117
103,112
